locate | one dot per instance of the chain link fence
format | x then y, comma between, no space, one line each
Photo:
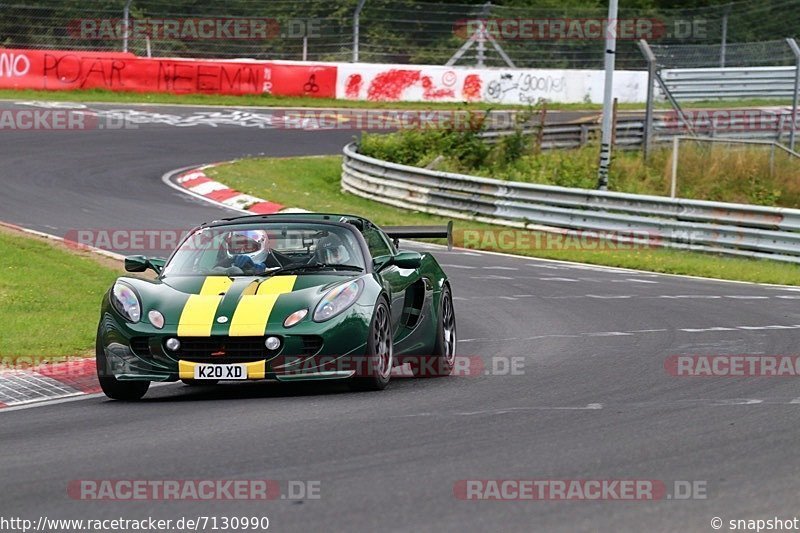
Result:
547,34
755,54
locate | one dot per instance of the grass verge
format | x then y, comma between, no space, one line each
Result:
49,297
266,100
314,183
261,100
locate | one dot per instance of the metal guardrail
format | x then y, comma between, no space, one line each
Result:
722,83
630,132
734,229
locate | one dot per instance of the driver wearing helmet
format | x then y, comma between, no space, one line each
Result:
331,250
248,250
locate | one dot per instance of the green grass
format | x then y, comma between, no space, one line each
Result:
99,95
266,100
49,298
314,183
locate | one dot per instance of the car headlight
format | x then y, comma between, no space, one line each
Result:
338,300
126,302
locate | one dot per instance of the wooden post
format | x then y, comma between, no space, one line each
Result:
540,133
614,124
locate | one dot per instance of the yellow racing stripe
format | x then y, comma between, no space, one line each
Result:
277,285
252,314
198,314
216,286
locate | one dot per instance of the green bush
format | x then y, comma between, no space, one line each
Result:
720,172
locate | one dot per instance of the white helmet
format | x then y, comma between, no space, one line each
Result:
332,251
253,243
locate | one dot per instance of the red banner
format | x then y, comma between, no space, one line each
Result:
65,70
300,80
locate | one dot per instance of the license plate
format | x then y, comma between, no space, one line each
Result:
220,371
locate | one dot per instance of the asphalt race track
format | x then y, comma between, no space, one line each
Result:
593,401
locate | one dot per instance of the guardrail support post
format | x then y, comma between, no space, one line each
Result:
673,188
796,50
650,57
772,160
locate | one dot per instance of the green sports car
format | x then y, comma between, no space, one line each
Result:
289,297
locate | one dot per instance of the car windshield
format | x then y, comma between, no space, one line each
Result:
266,249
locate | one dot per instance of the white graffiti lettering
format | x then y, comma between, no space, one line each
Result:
14,65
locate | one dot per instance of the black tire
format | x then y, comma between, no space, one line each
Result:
441,362
199,382
126,391
376,370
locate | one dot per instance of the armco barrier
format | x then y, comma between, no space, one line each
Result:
731,83
630,132
65,70
734,229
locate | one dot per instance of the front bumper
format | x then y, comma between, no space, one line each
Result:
332,350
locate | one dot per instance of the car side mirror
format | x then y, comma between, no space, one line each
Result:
140,263
408,260
381,262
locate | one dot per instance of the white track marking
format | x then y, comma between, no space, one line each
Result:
549,267
689,296
509,410
703,330
45,403
596,334
74,398
465,267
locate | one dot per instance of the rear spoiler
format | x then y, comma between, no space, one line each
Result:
420,232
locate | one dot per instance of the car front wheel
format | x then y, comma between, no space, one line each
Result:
374,374
115,389
441,362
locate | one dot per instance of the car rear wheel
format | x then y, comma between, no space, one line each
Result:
127,391
441,362
374,374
